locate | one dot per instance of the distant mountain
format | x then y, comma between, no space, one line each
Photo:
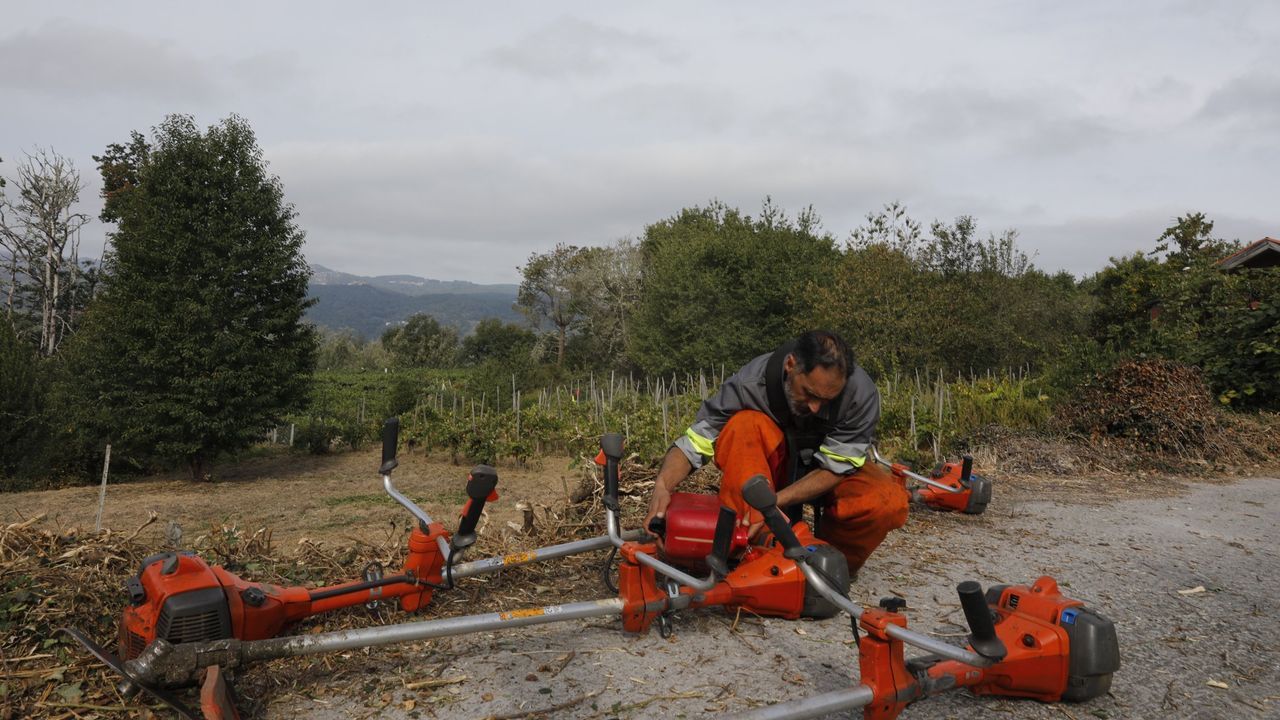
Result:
368,311
408,284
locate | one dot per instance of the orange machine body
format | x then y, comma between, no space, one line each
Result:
1037,664
763,583
1039,649
937,499
970,496
180,597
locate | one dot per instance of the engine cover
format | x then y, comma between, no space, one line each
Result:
175,596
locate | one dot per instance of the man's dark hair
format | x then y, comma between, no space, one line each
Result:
822,348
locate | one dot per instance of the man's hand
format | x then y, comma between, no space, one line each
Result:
658,503
675,468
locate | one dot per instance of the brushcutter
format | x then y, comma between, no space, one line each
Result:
953,487
1025,641
178,598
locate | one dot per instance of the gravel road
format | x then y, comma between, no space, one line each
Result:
1192,580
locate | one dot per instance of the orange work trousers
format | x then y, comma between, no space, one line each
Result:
856,515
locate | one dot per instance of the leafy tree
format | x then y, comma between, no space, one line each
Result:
947,302
610,285
22,402
339,350
718,286
1190,240
1130,292
120,167
422,342
496,340
1242,357
196,343
552,291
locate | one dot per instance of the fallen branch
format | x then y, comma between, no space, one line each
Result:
435,683
150,519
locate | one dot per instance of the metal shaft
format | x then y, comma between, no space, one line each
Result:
875,454
410,632
416,511
924,642
812,707
494,564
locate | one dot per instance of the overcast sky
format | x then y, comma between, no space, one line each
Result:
453,140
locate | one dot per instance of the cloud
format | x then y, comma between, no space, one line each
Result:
1014,122
1248,103
1078,244
673,107
269,71
483,204
572,47
65,56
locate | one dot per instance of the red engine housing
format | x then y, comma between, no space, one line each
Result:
691,526
181,598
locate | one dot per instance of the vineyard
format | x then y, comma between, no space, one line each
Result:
922,415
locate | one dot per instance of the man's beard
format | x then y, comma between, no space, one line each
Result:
798,408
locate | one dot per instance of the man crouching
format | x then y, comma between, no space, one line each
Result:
803,416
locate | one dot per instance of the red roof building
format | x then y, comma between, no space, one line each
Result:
1264,253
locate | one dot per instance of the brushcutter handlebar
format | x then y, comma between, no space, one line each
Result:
982,628
480,483
390,439
760,496
611,446
722,542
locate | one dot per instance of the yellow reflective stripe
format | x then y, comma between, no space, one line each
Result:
857,462
704,446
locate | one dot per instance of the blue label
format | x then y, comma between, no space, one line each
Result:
1069,616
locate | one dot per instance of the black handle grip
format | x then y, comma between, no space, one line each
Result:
760,496
658,527
966,468
482,480
611,444
718,560
390,438
983,638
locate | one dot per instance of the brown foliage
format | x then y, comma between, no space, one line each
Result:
1154,405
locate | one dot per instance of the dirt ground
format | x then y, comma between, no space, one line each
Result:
1188,570
331,499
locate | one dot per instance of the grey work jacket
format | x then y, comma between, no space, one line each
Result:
839,434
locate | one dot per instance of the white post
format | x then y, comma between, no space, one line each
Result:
291,426
102,491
